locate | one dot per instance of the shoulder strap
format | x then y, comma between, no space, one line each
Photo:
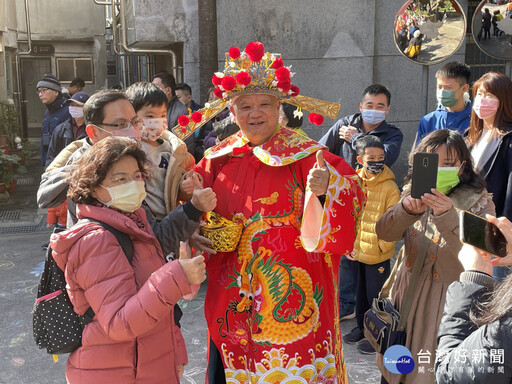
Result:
123,239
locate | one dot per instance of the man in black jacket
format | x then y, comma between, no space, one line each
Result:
340,139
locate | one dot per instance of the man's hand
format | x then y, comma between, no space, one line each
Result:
201,243
187,185
203,199
318,178
413,206
347,131
194,268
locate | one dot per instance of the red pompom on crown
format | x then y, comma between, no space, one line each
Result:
295,90
283,74
278,63
183,120
216,80
218,92
228,83
243,78
284,85
234,52
196,117
315,118
255,51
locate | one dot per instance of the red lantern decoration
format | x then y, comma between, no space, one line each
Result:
255,51
183,120
243,78
197,117
228,83
295,90
315,118
283,74
234,52
278,63
218,92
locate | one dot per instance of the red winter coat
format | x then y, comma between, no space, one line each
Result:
133,337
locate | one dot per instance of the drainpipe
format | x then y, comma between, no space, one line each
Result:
138,51
18,69
101,2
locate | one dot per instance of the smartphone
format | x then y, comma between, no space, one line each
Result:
482,234
424,173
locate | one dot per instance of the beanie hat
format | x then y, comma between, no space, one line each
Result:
49,81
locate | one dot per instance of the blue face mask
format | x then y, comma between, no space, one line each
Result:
373,116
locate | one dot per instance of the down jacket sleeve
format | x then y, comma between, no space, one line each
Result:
97,264
464,350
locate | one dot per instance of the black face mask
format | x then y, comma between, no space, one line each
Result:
374,166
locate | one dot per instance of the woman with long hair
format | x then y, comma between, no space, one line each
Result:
434,215
478,318
489,139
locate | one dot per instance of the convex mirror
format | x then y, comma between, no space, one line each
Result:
491,28
429,31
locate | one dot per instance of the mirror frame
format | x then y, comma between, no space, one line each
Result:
433,62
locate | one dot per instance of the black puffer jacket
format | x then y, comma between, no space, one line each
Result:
467,353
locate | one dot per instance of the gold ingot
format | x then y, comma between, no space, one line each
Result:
224,234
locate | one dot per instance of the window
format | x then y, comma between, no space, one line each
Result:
69,68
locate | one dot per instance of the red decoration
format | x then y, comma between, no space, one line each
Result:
183,120
285,86
183,130
197,117
216,80
278,63
255,51
243,78
295,90
234,52
283,74
315,118
228,83
218,92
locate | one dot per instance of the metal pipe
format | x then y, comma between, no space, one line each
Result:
18,64
139,51
101,2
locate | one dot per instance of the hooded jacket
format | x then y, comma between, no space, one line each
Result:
132,338
381,194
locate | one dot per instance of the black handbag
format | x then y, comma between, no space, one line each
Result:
383,325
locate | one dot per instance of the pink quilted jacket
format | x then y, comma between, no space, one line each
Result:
132,338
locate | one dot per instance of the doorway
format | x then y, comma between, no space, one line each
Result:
32,110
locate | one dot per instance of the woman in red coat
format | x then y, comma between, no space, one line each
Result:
132,338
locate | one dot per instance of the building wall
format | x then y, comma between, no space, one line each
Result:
337,48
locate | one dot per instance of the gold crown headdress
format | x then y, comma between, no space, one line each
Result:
254,71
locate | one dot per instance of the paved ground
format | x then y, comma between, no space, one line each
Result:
22,231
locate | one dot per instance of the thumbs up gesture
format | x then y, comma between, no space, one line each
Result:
194,268
318,178
187,186
203,199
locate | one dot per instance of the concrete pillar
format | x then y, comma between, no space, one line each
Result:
208,59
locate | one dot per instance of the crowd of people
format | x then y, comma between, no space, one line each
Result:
288,261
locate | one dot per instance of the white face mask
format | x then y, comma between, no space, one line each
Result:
153,128
373,116
76,112
126,197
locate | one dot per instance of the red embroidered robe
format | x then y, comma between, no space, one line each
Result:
271,306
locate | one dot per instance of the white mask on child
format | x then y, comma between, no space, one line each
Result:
153,128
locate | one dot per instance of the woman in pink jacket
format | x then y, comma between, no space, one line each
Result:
132,338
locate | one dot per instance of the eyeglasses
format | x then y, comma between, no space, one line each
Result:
123,179
41,90
137,124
